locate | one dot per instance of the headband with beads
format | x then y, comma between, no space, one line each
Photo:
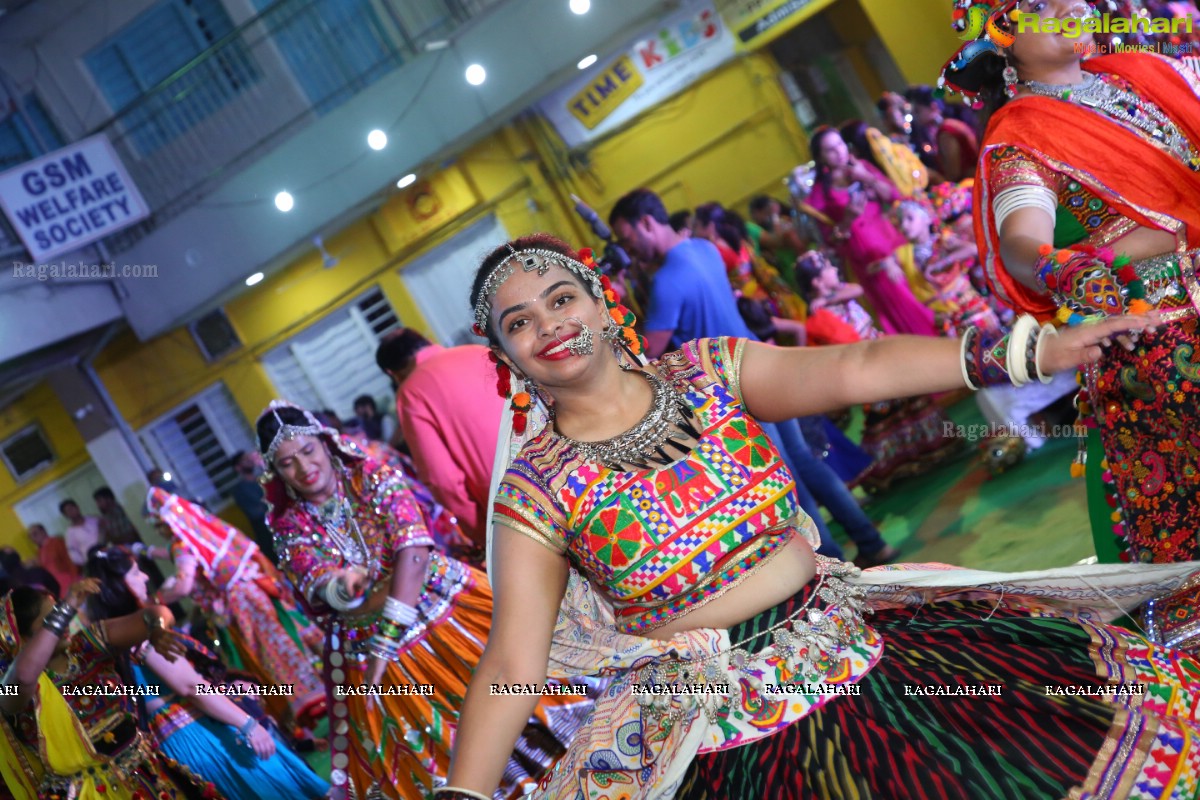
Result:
541,260
529,259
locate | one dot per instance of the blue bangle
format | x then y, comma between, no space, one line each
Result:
247,726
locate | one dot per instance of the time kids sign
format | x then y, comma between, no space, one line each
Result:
69,198
676,52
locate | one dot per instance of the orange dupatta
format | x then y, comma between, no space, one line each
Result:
1155,189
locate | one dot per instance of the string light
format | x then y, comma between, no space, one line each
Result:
285,202
476,74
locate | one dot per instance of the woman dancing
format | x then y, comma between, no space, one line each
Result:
204,730
654,505
855,195
1086,207
397,613
59,738
243,596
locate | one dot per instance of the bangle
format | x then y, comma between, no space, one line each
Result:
59,618
399,612
384,647
455,793
984,360
247,726
964,357
338,598
1047,332
1019,349
152,620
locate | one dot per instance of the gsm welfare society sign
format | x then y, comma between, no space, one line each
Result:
68,198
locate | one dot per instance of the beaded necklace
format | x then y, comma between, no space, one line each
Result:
337,518
1115,97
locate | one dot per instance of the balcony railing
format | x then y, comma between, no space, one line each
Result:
273,74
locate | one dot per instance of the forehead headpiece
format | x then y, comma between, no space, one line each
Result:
529,260
288,432
984,27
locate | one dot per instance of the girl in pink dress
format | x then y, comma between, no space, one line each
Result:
855,195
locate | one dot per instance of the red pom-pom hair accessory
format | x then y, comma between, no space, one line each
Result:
521,403
621,316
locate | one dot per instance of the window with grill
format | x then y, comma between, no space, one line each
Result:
334,48
26,453
195,441
152,49
27,135
333,362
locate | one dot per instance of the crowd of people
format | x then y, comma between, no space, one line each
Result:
589,556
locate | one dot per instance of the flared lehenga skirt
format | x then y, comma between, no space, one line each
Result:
925,725
399,744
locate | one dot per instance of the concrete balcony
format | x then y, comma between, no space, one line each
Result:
267,110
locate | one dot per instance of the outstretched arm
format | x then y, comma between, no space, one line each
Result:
781,383
182,677
528,581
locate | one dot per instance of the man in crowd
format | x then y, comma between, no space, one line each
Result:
449,412
378,427
115,525
83,533
53,557
690,298
250,498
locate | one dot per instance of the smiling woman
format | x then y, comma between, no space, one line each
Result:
405,623
647,534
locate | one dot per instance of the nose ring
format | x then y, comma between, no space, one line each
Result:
582,345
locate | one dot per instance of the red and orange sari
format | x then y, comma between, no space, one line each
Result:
1144,470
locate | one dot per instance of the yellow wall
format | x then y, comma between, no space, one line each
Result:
918,34
41,406
727,138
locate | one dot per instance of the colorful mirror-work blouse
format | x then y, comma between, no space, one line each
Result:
663,541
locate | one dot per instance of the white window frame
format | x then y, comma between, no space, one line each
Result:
23,477
273,362
205,400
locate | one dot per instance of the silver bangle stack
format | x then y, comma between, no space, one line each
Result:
59,618
396,616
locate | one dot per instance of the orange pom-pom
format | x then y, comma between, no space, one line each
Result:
522,401
1139,306
1077,470
1063,256
611,297
617,316
1045,250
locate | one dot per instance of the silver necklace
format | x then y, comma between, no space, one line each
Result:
1123,106
337,518
669,423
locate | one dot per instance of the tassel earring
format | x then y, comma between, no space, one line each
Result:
521,403
1010,80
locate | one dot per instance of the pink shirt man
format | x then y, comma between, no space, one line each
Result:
450,414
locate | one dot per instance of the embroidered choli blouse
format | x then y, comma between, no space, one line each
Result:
386,513
663,541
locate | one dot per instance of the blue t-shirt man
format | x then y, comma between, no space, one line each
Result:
691,296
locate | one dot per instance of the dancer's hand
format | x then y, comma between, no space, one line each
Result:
355,581
261,742
168,643
1084,344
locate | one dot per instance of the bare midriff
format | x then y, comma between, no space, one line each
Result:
774,581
